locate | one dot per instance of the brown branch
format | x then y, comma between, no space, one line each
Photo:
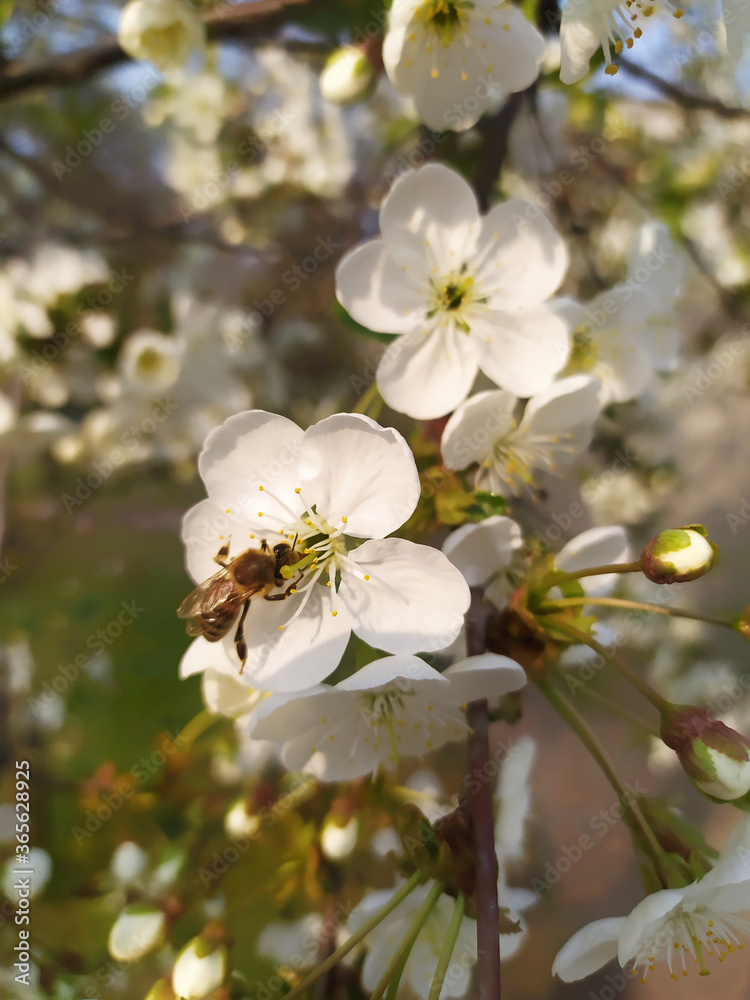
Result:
495,130
229,21
480,809
698,102
480,806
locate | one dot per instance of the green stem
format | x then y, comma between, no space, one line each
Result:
449,944
356,937
619,602
619,710
580,727
560,576
627,672
195,728
370,399
395,966
395,982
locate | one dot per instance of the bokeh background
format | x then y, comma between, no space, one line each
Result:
188,218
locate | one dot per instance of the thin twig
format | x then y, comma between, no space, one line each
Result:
230,21
693,102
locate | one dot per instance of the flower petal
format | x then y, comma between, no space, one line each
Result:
428,373
380,673
430,215
403,597
353,468
486,676
205,528
588,950
565,413
645,921
251,450
737,22
301,654
595,547
225,694
513,793
474,427
581,34
479,551
522,350
204,655
516,47
523,257
377,292
726,888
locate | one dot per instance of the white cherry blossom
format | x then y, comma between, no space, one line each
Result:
466,293
396,706
556,426
654,264
484,554
421,964
513,800
609,341
163,31
455,58
150,362
688,927
324,489
588,25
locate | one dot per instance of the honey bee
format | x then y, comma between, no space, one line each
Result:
212,607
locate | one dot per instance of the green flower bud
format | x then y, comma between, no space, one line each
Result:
678,555
715,757
347,76
200,968
161,990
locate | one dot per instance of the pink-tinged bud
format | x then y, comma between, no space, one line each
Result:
678,555
715,757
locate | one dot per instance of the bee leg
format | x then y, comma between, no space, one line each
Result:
282,597
222,556
239,636
264,546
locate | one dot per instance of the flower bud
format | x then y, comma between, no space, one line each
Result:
338,840
741,623
678,555
715,757
163,31
347,76
200,968
138,930
161,990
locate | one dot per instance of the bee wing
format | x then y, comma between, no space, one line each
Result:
207,595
